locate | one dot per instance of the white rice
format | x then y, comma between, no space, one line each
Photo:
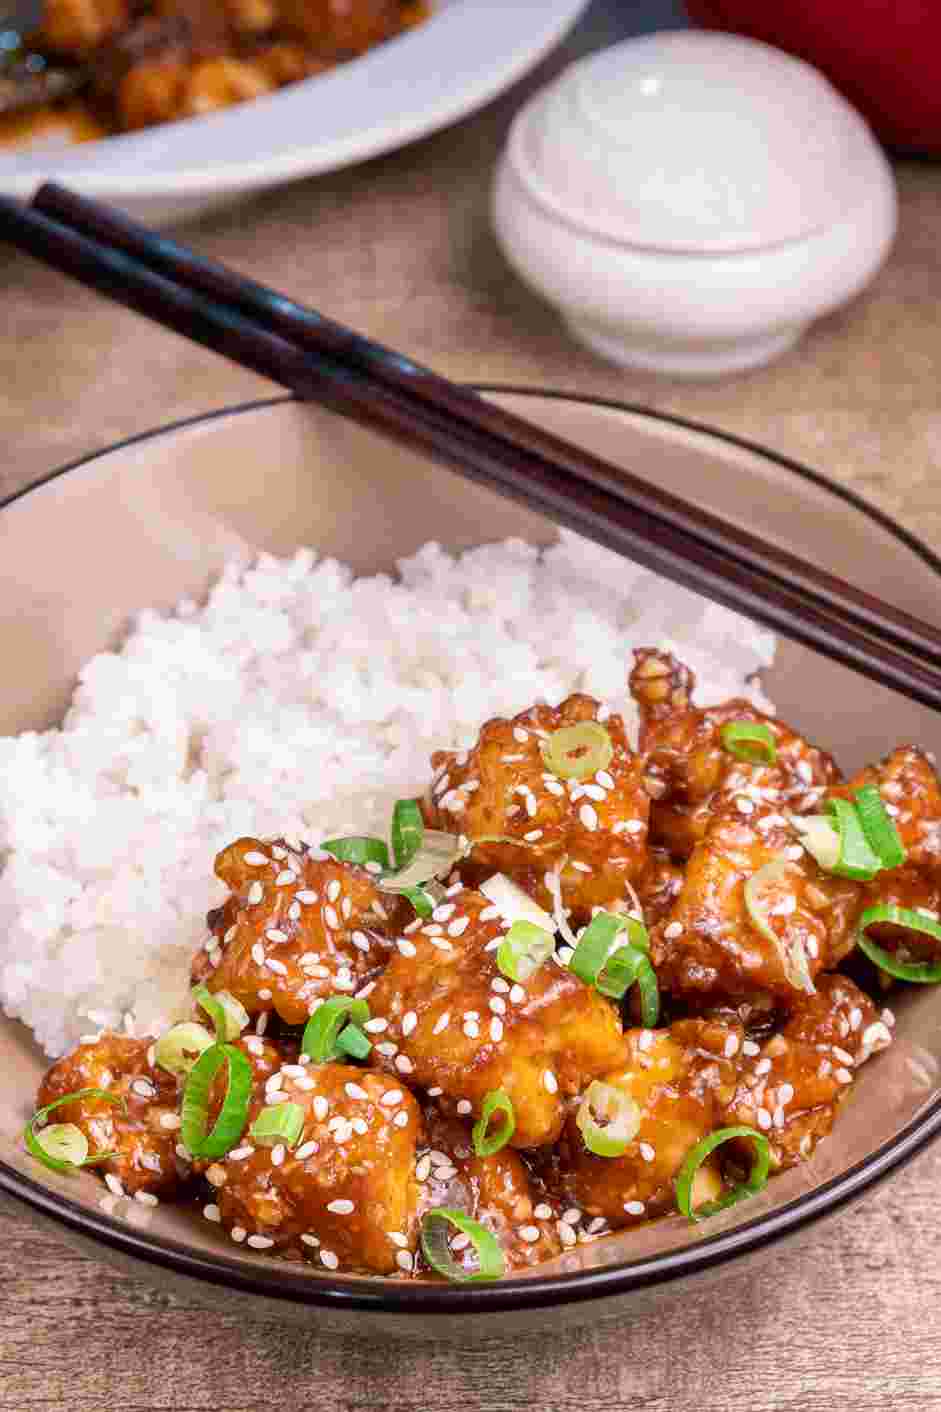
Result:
297,700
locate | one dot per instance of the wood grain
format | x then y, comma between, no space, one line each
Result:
400,248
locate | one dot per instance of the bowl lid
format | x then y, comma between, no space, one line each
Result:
687,140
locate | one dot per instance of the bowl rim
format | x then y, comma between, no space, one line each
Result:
390,1296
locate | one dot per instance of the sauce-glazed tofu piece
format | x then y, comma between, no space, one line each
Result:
709,943
688,771
299,926
678,1078
790,1090
345,1194
590,831
144,1137
446,1019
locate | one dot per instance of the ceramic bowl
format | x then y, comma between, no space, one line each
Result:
171,506
691,202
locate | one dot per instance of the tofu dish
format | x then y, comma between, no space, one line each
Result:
579,987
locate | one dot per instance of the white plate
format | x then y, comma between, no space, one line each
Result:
465,54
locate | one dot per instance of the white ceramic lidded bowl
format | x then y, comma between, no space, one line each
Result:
692,201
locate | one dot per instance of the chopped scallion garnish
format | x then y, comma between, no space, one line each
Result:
578,752
63,1148
881,833
754,1182
436,855
359,849
323,1028
279,1122
856,860
819,836
179,1047
919,972
408,830
421,900
523,950
515,905
227,1014
612,966
435,1233
486,1143
793,957
751,741
352,1041
228,1127
619,1112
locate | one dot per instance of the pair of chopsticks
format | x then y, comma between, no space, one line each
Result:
324,362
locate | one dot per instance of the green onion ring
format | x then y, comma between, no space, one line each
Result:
485,1142
578,752
434,1244
857,860
359,849
278,1122
422,901
408,830
753,1183
195,1107
178,1048
523,950
649,995
227,1014
56,1164
437,855
750,741
881,834
322,1030
920,972
623,1119
352,1041
793,959
819,836
594,946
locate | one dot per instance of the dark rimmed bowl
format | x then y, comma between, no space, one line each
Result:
153,520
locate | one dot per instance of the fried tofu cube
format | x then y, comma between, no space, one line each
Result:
445,1018
298,926
143,1133
345,1194
584,836
677,1078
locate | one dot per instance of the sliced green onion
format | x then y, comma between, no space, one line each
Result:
523,950
649,995
323,1028
353,1042
820,837
613,967
750,741
921,972
513,904
195,1107
621,1116
437,854
435,1231
578,752
65,1143
881,833
408,830
358,849
486,1143
637,934
179,1047
856,859
793,958
594,946
57,1161
421,900
756,1179
279,1122
227,1014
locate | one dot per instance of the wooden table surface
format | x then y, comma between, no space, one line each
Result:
401,248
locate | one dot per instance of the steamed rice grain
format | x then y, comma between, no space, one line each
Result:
297,700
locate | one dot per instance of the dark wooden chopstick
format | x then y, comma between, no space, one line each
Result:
310,329
603,512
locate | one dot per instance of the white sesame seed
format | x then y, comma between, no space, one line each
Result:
597,1225
211,1212
256,859
307,1149
588,817
645,1040
404,1260
397,1238
549,1081
763,1066
500,985
647,1152
278,1154
856,1017
285,878
464,1106
785,1094
307,896
745,806
258,954
403,1064
750,1049
146,1198
634,1208
409,1021
255,894
843,1076
387,1048
170,1121
435,1092
405,946
730,1047
443,912
520,735
391,1098
572,1216
517,994
496,1029
329,1259
377,1025
341,1207
763,1118
672,930
230,934
553,787
843,1056
238,1234
331,918
528,1233
460,1241
595,792
277,966
258,1242
321,1107
471,1029
310,1240
532,809
401,1119
360,940
459,926
354,1091
566,1235
497,1005
113,1184
239,1153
